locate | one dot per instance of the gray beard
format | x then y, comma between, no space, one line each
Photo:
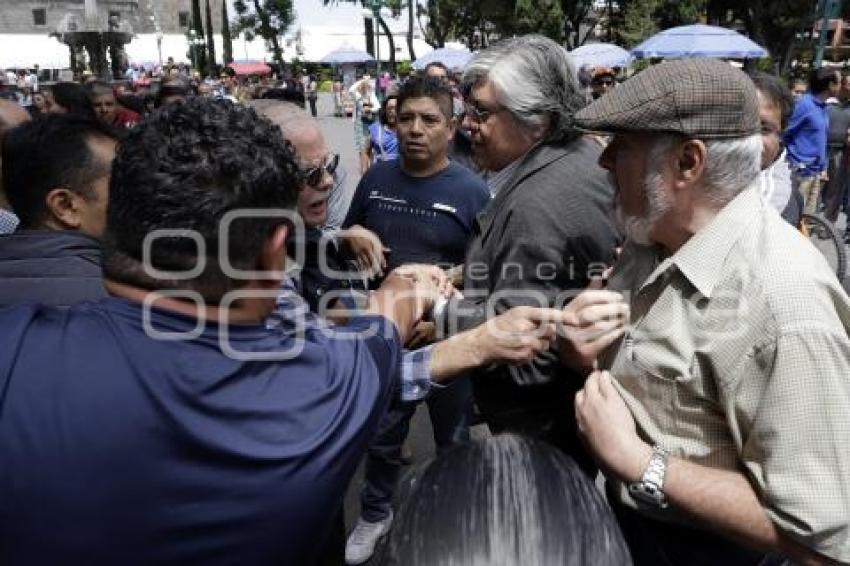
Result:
637,228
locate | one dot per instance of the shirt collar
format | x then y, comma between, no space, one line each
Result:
497,180
701,258
817,100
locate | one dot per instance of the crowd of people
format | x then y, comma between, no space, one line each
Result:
203,336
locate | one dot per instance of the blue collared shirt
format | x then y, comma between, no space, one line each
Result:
291,308
806,136
8,222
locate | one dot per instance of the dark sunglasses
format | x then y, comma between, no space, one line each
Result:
314,175
607,81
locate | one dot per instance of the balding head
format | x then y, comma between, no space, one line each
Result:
303,132
11,116
296,125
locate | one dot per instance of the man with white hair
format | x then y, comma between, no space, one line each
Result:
546,232
722,423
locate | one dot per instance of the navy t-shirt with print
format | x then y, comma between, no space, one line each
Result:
121,446
421,219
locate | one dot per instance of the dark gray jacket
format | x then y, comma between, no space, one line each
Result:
58,268
536,244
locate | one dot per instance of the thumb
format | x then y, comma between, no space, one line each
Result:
606,384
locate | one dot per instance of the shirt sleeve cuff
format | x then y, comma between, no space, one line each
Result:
416,374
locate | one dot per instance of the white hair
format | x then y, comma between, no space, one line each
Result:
731,164
535,79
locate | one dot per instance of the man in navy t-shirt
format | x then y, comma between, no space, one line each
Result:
166,424
422,207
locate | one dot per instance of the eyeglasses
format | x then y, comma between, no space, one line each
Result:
478,115
603,81
314,175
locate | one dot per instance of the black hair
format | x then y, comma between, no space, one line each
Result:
184,168
437,64
73,98
503,500
382,113
773,88
287,94
98,88
820,79
172,87
428,87
49,153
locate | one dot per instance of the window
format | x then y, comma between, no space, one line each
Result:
113,15
183,19
39,17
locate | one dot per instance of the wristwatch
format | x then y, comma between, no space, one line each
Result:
650,487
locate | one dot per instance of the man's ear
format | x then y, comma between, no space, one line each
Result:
273,255
691,159
63,209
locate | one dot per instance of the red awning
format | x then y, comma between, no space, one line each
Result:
251,68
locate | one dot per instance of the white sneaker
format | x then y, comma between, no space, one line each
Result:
360,545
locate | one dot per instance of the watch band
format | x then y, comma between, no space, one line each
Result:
650,487
657,468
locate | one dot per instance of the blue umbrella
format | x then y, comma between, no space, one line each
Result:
600,55
453,59
346,55
699,41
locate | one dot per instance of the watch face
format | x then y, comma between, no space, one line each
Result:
648,493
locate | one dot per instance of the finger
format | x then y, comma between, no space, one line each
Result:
594,297
603,313
591,385
545,315
606,384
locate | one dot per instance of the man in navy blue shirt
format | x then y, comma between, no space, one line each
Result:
422,207
806,135
166,424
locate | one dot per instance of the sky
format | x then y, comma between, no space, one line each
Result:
312,13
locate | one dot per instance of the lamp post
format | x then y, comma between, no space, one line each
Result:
159,46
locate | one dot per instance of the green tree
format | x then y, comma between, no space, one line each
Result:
226,38
210,39
198,49
269,19
672,13
775,24
638,21
580,18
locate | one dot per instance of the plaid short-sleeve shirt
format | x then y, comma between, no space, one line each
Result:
738,357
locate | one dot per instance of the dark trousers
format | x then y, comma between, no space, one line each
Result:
312,102
834,194
655,543
450,409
